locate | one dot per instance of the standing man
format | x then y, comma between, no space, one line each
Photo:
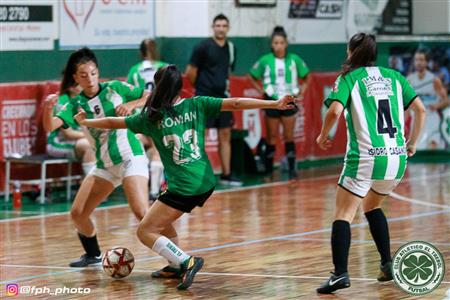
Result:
208,70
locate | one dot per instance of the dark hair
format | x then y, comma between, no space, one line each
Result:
148,48
278,31
65,85
220,17
168,83
363,48
424,52
81,56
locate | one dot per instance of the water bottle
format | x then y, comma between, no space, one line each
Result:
17,195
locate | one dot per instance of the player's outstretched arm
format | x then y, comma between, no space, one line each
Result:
102,123
419,120
287,102
49,121
331,117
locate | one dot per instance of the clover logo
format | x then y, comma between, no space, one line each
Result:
418,268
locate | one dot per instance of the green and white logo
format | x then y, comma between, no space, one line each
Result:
418,267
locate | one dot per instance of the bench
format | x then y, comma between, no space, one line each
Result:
43,160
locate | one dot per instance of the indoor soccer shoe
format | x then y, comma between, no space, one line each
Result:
168,272
190,268
85,261
334,283
385,272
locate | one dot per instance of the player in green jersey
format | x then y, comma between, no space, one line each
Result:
280,72
141,75
120,156
373,100
70,142
177,127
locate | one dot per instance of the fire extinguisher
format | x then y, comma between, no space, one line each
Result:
17,195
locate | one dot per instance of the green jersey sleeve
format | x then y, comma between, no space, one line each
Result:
131,74
302,68
136,123
340,92
257,70
66,115
128,91
408,92
211,106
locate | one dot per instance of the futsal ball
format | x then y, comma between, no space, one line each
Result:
118,262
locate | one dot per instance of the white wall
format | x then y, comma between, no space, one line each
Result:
193,18
431,16
189,18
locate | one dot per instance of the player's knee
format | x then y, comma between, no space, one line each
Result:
148,228
76,214
140,213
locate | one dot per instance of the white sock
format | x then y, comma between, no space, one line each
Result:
87,167
156,170
175,241
167,249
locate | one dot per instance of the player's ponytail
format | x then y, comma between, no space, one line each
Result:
81,56
148,49
168,83
363,52
278,31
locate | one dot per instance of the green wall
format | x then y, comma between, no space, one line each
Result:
47,65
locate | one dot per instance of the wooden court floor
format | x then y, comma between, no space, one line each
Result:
265,242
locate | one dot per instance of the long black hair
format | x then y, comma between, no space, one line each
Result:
81,56
363,48
168,83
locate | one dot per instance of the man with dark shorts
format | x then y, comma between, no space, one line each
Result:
208,70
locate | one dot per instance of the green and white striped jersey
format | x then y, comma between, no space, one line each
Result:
141,75
180,139
111,146
56,138
374,99
280,75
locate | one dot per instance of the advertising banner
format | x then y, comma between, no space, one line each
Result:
105,23
26,25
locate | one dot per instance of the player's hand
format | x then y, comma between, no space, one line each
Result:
410,149
80,117
287,102
50,101
433,107
323,142
124,110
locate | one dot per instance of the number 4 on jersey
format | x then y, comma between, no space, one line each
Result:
384,117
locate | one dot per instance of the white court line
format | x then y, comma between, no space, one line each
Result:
206,273
415,201
357,241
258,186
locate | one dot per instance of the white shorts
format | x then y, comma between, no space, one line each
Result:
360,187
138,165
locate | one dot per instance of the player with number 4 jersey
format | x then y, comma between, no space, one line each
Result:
177,127
373,100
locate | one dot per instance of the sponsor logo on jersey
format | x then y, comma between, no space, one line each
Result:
378,86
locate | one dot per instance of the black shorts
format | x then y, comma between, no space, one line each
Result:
275,113
184,203
224,120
